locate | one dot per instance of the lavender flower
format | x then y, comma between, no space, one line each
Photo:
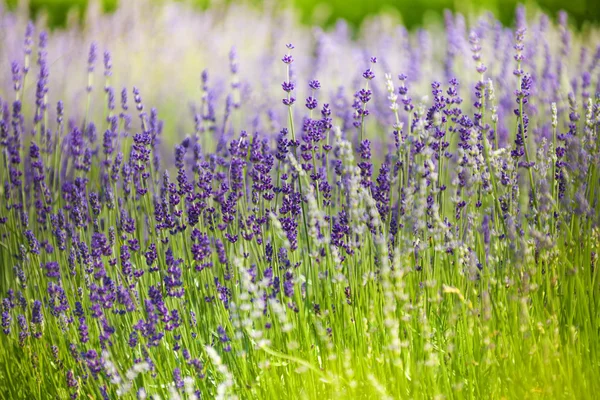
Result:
269,242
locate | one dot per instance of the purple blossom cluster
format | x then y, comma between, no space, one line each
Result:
113,244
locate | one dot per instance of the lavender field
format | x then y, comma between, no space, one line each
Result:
230,204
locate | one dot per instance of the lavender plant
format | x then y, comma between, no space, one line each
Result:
404,215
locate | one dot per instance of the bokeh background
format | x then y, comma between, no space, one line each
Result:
412,12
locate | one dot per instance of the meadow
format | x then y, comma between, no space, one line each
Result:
229,203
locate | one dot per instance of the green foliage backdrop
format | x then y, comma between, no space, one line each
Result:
327,12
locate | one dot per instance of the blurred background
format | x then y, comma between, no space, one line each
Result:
325,12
